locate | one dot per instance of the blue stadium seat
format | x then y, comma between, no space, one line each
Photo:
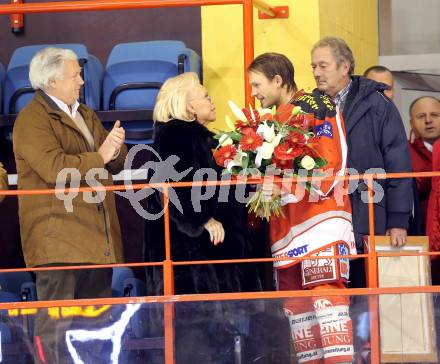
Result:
18,90
15,339
29,291
17,285
135,72
134,287
6,335
124,284
9,297
120,275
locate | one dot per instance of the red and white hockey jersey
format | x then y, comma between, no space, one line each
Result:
318,222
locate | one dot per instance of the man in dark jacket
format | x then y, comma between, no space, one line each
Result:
376,141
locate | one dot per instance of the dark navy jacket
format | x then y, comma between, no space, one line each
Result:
376,139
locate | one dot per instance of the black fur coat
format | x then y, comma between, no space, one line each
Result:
192,143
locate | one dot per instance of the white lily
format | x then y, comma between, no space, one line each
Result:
229,123
266,131
277,139
237,111
265,111
225,139
237,161
265,151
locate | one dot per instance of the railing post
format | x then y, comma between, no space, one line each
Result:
373,301
248,45
168,284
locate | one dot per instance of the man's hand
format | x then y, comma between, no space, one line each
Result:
270,190
112,143
215,230
398,237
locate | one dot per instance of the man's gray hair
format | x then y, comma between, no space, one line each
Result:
47,65
340,50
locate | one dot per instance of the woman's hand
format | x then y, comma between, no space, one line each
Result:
215,230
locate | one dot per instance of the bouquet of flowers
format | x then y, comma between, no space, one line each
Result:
263,140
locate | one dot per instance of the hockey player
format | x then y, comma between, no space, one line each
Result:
315,224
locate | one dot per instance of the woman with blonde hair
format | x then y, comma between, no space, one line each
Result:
201,228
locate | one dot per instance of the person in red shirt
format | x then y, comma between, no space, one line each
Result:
425,124
433,215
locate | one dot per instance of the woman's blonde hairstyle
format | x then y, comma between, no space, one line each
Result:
173,97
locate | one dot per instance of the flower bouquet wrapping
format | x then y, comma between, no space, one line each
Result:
267,141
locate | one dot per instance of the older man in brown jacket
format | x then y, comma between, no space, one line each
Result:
56,137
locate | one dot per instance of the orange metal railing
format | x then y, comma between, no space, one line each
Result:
168,276
168,299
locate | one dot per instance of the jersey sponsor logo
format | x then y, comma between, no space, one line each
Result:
324,129
343,249
297,251
322,303
344,266
301,333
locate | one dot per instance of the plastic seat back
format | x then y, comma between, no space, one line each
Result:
18,90
134,74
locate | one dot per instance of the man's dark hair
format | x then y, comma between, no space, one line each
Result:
272,64
376,68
